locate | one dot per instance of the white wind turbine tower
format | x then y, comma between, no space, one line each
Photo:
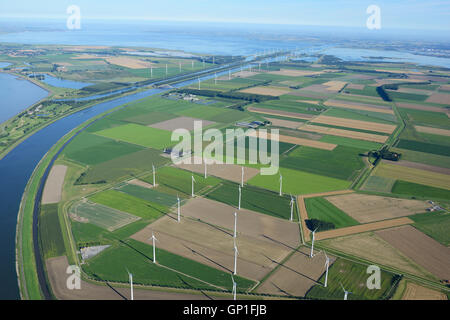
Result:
179,65
151,72
193,180
236,252
281,185
327,265
154,246
345,292
130,279
154,175
240,196
229,74
312,243
199,83
242,177
178,208
234,287
166,69
235,228
215,79
192,64
292,208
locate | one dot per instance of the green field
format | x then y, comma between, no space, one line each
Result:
434,224
341,163
299,182
140,135
50,236
151,118
253,199
353,278
148,194
414,189
422,157
91,149
378,184
126,203
438,119
123,167
137,257
407,96
216,114
424,147
177,181
348,142
361,115
321,209
102,215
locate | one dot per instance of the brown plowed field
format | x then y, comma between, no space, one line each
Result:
297,275
359,106
362,228
441,98
53,185
422,249
300,141
419,107
415,292
284,123
422,166
431,130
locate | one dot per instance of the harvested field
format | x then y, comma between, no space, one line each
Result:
371,247
359,106
225,171
53,185
284,123
422,249
287,114
266,91
140,183
371,99
127,62
414,175
413,91
355,124
315,102
355,86
300,141
187,238
344,133
334,86
441,98
56,270
366,208
431,130
308,94
362,228
295,72
250,223
415,292
180,123
422,166
419,107
297,275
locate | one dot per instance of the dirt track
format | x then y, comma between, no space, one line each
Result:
362,228
422,249
56,268
53,185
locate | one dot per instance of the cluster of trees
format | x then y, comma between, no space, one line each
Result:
320,225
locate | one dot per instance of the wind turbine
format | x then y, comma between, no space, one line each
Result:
130,279
199,83
151,72
235,227
236,252
193,180
192,64
327,265
166,69
229,74
234,287
312,244
154,175
240,196
154,247
179,65
242,177
178,207
215,79
292,208
281,185
345,292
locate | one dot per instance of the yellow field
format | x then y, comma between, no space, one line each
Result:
334,85
127,62
414,175
355,124
344,133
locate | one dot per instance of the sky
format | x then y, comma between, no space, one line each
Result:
395,14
